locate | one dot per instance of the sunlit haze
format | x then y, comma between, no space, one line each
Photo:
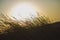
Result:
23,12
14,7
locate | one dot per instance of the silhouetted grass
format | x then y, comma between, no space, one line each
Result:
37,29
9,24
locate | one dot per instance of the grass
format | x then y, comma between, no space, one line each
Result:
6,24
37,29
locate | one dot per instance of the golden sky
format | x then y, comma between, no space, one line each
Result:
50,8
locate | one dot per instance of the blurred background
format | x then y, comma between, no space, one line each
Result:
39,24
49,8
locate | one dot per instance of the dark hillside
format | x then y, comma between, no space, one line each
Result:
46,32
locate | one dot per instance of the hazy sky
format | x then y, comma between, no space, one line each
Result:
50,8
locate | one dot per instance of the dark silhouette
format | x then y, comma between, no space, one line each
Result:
39,29
45,32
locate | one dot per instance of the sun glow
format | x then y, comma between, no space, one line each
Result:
23,12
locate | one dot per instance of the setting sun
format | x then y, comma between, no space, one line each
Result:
23,12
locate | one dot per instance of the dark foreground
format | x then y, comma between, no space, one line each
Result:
47,32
